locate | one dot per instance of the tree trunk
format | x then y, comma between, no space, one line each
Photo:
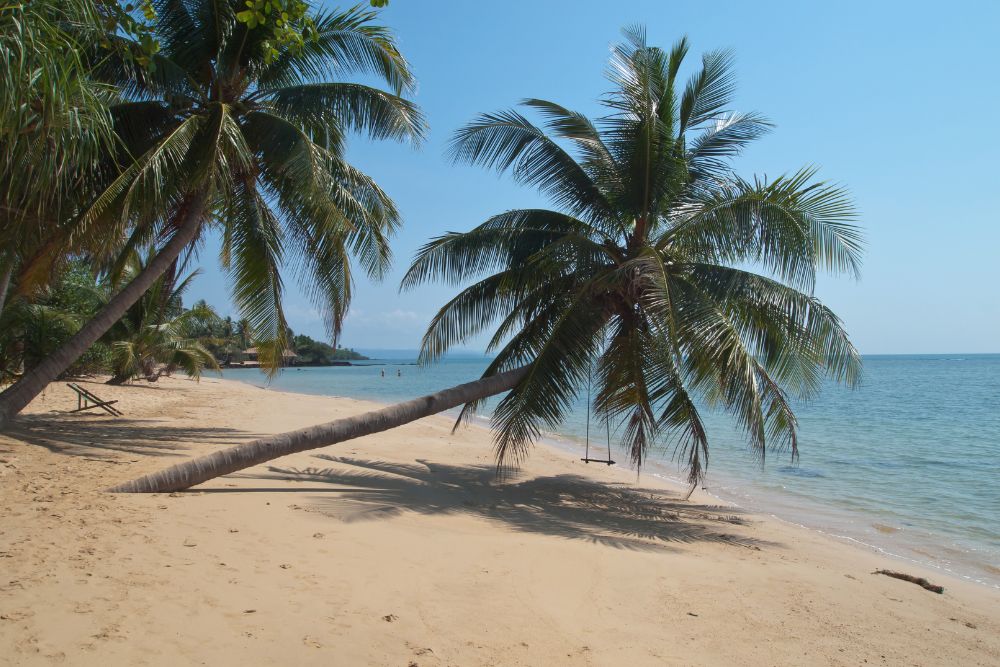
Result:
5,274
18,395
169,278
204,468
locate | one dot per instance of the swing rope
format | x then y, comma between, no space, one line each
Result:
586,457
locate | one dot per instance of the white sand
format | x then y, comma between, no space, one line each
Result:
402,549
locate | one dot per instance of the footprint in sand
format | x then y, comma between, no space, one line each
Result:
16,615
108,632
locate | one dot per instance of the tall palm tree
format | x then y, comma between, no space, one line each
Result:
222,132
678,282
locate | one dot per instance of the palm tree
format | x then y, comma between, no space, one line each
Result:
154,336
243,333
153,350
228,132
678,282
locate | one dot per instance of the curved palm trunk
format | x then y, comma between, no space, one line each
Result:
204,468
5,274
18,395
169,278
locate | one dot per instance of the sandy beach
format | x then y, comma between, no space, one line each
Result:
404,549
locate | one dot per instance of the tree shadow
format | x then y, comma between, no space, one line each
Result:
99,438
568,506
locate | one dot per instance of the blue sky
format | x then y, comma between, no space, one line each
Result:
895,100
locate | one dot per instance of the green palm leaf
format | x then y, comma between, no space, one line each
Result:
344,107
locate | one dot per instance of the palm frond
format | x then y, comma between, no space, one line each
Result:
788,225
329,209
327,111
142,186
709,91
798,339
719,363
560,349
504,241
253,252
711,152
345,42
507,140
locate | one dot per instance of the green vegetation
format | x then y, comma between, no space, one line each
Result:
660,276
157,336
55,124
31,330
227,126
316,353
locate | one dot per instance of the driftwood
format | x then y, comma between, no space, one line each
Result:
919,581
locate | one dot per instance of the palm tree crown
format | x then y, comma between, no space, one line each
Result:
669,278
219,121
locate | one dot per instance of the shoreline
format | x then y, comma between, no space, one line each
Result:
769,505
403,548
930,568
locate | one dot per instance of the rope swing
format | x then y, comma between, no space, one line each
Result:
586,457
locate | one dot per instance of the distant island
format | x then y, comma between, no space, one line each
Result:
311,352
304,351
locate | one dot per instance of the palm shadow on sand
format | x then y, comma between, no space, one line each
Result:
100,437
568,506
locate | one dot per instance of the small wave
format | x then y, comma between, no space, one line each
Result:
883,528
800,472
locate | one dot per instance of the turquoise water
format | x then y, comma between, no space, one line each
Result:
908,464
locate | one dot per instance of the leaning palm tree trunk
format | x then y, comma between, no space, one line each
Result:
18,395
5,273
204,468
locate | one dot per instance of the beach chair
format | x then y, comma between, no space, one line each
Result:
86,400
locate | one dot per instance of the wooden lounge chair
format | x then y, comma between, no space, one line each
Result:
86,400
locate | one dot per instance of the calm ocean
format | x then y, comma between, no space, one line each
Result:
908,464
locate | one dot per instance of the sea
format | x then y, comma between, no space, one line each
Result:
907,464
